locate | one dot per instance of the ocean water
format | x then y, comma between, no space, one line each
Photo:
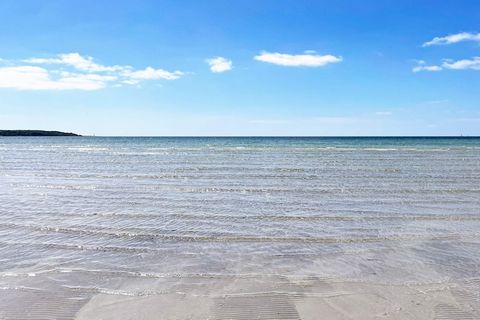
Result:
82,217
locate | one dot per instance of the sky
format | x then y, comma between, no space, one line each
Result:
241,68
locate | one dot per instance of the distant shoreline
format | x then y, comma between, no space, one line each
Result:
35,133
46,133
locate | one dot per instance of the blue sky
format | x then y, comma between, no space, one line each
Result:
241,67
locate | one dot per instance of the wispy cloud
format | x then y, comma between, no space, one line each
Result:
307,59
464,64
383,113
269,121
453,38
335,120
219,64
443,101
421,66
473,64
427,68
78,73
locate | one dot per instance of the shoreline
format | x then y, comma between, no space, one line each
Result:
36,133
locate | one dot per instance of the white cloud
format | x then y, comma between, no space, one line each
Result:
426,68
453,38
150,73
86,75
473,64
37,78
299,60
219,64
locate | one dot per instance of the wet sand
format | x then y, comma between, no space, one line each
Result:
414,282
313,299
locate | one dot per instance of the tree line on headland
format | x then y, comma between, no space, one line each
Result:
35,133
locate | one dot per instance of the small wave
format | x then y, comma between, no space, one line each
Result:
117,292
233,238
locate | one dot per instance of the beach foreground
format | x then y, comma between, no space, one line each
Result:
239,228
300,298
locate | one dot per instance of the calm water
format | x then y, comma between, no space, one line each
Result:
145,216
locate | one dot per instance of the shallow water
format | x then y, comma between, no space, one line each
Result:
137,217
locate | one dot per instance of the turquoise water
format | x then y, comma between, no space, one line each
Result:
87,215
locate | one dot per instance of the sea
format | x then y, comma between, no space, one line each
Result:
83,218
